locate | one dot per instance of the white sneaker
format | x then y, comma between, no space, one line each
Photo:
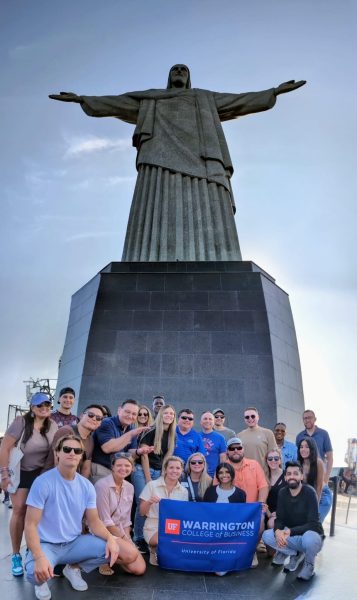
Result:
75,578
42,592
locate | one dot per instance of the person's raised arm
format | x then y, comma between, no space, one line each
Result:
66,97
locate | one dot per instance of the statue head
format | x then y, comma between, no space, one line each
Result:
179,77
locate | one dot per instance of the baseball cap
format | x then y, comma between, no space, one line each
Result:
234,440
218,410
38,398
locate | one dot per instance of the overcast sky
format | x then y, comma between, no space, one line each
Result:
67,180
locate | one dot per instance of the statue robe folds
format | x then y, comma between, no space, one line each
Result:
183,206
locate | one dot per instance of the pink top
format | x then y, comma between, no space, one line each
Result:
114,508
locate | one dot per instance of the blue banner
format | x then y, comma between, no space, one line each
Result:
200,536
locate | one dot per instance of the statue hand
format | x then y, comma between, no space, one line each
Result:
288,86
65,97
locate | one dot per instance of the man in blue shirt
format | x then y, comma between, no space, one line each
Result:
188,441
116,434
214,443
288,450
321,438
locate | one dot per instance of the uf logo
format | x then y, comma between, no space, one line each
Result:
173,526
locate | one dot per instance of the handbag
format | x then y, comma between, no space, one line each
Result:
15,457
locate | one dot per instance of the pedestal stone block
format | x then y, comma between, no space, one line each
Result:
205,335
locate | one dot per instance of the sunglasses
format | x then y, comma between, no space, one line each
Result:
68,450
186,418
44,405
92,415
250,416
233,448
275,458
143,414
219,416
196,462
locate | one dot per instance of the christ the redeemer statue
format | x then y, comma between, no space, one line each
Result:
183,206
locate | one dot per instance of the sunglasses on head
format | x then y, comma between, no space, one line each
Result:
250,416
196,462
232,448
275,458
92,415
44,405
143,414
186,418
68,450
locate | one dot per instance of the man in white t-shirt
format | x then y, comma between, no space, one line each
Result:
53,527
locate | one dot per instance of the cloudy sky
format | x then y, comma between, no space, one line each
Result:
67,180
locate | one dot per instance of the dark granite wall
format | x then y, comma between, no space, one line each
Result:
203,334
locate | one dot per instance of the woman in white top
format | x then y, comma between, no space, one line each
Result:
168,487
114,501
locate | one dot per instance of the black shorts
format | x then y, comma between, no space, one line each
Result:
28,477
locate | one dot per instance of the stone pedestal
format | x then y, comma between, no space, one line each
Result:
205,335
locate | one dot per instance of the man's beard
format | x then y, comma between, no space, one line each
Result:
293,484
236,459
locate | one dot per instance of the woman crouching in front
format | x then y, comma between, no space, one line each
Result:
168,487
114,501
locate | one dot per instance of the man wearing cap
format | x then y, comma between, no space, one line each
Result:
63,415
257,440
249,476
219,419
288,450
90,419
188,441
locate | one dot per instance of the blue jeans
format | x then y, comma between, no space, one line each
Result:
86,550
325,502
138,481
309,543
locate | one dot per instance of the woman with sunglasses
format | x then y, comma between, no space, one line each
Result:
33,433
161,438
167,486
276,482
196,479
114,501
314,471
145,418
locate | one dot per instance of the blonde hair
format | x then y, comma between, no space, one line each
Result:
169,459
277,451
150,418
159,431
205,480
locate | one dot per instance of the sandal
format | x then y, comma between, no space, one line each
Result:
153,557
106,570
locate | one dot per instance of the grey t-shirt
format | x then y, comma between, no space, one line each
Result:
36,448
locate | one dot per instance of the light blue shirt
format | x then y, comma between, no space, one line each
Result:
288,452
63,503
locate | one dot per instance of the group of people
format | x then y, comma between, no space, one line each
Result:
83,480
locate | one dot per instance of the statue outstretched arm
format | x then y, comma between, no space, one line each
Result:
288,86
66,97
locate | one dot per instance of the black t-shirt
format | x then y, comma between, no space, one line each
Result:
299,513
155,460
272,498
